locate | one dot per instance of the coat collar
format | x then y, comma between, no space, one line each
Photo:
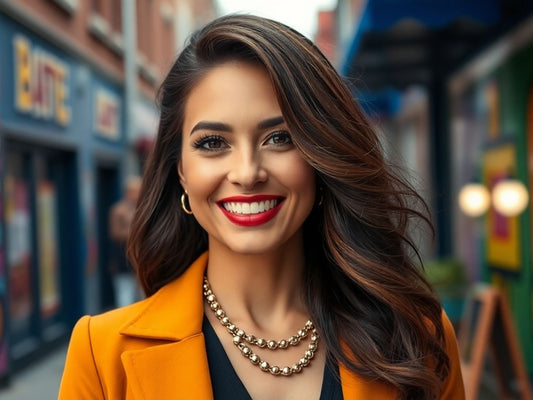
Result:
176,311
177,370
174,363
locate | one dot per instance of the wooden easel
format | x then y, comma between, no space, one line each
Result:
487,324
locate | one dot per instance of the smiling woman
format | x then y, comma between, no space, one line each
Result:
231,160
270,239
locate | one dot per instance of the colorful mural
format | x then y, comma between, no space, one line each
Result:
503,241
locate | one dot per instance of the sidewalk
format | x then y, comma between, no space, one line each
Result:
40,381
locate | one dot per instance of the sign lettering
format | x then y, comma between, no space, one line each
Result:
41,87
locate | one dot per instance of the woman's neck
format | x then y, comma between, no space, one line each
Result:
259,290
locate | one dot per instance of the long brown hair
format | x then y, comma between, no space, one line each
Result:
364,289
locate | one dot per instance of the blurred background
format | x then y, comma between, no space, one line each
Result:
448,84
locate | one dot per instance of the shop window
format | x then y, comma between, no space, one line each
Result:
35,187
46,199
19,254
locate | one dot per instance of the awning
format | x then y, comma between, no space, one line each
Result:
404,42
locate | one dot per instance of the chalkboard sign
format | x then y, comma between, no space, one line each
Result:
487,326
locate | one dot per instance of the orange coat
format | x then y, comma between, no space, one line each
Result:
155,349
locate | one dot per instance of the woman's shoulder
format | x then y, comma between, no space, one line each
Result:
172,312
453,386
93,364
449,329
109,323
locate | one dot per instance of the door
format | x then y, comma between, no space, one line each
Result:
40,235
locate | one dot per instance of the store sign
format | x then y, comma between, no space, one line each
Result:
41,83
107,114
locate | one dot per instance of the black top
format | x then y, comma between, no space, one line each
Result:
228,386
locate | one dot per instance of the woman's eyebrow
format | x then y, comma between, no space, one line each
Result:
222,127
270,122
211,126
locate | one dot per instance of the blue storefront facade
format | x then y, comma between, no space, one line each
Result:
62,155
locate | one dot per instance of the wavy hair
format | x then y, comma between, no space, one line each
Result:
377,314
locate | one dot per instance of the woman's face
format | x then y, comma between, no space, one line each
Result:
248,185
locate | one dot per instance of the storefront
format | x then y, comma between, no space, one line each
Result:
39,191
62,154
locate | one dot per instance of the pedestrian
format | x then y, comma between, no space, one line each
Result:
271,241
120,217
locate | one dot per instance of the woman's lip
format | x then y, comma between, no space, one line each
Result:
251,219
249,199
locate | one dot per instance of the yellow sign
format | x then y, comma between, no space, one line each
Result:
41,87
503,245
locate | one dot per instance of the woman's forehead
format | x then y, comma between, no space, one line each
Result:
233,91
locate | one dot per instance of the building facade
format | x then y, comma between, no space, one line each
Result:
77,115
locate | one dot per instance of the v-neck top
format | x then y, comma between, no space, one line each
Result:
226,383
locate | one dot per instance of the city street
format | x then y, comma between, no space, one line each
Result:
411,121
39,381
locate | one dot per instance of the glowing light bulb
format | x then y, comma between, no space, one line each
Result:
474,199
510,197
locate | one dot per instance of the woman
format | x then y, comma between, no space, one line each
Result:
270,239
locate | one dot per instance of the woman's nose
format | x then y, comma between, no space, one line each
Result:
247,169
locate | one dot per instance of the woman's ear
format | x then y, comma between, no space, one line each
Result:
183,181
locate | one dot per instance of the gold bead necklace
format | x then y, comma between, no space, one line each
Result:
243,340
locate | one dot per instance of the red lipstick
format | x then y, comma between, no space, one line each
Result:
254,219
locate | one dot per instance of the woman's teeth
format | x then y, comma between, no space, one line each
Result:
250,208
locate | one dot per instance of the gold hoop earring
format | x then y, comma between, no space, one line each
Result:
183,206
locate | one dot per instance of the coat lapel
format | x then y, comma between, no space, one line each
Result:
167,358
178,370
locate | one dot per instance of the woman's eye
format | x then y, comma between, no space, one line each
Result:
211,143
279,138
